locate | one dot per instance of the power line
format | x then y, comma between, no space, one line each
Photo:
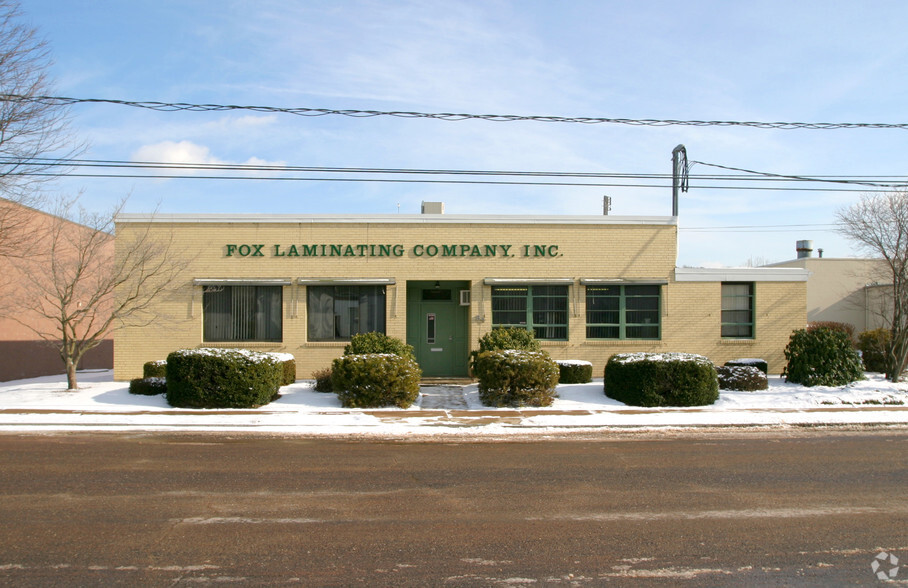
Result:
256,169
446,116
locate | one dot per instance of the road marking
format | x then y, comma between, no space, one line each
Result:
754,513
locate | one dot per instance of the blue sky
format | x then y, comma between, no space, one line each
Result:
766,61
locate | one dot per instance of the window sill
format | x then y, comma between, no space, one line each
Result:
750,341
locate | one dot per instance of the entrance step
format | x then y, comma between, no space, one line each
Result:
442,397
446,381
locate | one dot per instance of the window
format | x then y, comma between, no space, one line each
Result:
242,313
336,313
541,309
622,312
738,310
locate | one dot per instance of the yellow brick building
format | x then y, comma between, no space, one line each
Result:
588,286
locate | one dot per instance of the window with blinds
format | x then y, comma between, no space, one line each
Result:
623,312
242,313
336,313
541,309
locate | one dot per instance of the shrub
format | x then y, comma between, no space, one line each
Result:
501,338
874,347
148,386
508,338
322,379
376,379
846,328
573,371
512,377
661,379
745,378
288,367
821,357
750,362
155,369
222,378
372,343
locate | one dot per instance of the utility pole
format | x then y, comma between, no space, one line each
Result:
679,175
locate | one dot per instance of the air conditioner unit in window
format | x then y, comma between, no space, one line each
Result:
465,298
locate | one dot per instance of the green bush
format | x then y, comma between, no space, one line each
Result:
874,347
573,371
512,377
750,362
508,338
148,386
288,367
661,379
743,378
322,379
822,357
155,369
375,380
846,328
501,338
371,343
222,378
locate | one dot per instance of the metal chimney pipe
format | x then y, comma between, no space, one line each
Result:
804,249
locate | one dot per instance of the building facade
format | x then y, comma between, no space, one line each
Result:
588,286
28,338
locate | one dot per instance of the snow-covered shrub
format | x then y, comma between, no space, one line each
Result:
374,342
148,386
874,346
222,378
822,357
288,367
155,369
513,377
574,371
743,378
322,379
501,338
750,362
661,379
376,379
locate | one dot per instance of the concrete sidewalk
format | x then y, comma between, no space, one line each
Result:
442,410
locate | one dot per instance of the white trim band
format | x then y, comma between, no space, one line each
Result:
346,281
242,281
528,281
741,274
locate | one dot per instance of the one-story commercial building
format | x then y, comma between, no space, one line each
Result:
587,286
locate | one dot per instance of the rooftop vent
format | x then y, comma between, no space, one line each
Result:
433,207
805,249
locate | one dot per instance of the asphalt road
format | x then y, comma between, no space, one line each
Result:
742,509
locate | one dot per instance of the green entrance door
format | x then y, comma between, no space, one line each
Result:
437,327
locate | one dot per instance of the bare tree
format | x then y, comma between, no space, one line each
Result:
878,223
34,135
78,290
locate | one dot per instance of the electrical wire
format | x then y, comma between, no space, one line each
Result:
445,116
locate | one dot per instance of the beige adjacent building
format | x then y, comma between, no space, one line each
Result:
588,286
844,290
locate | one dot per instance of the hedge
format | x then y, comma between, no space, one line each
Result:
742,378
661,379
148,386
372,343
874,347
514,377
322,379
155,369
222,378
573,371
376,379
750,362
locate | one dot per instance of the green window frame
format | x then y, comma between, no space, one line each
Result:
541,309
737,310
624,312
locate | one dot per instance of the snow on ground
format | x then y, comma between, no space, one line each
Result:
102,404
